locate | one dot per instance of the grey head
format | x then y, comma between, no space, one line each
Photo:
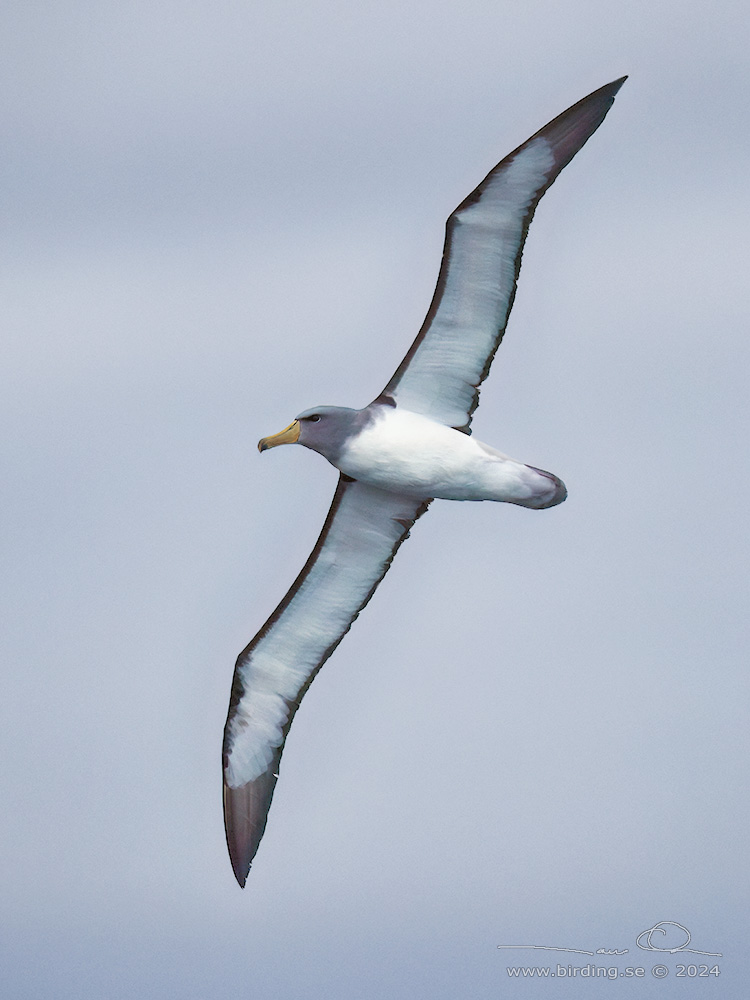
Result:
324,429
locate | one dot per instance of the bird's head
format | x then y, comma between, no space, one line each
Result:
323,429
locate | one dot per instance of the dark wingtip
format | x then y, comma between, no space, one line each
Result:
607,91
613,87
245,814
570,131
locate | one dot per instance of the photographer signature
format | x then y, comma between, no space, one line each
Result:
646,941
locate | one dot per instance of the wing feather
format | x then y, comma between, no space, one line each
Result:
451,356
364,528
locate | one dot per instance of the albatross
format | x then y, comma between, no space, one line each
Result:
411,445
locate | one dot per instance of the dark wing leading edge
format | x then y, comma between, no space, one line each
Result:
451,356
362,532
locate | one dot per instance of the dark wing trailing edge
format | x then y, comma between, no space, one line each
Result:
362,532
451,356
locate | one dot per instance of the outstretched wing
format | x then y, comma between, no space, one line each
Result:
362,532
451,356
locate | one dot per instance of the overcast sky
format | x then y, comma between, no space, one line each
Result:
216,215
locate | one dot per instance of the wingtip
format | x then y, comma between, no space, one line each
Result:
245,814
608,91
572,129
239,861
241,824
616,84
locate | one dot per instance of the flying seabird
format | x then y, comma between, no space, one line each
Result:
412,444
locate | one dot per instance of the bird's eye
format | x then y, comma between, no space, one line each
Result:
314,418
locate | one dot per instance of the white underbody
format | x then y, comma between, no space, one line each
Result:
411,454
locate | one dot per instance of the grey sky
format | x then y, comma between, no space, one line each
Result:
217,215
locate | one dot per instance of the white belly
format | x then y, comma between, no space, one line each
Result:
409,453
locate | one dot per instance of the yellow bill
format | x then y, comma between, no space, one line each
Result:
290,435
